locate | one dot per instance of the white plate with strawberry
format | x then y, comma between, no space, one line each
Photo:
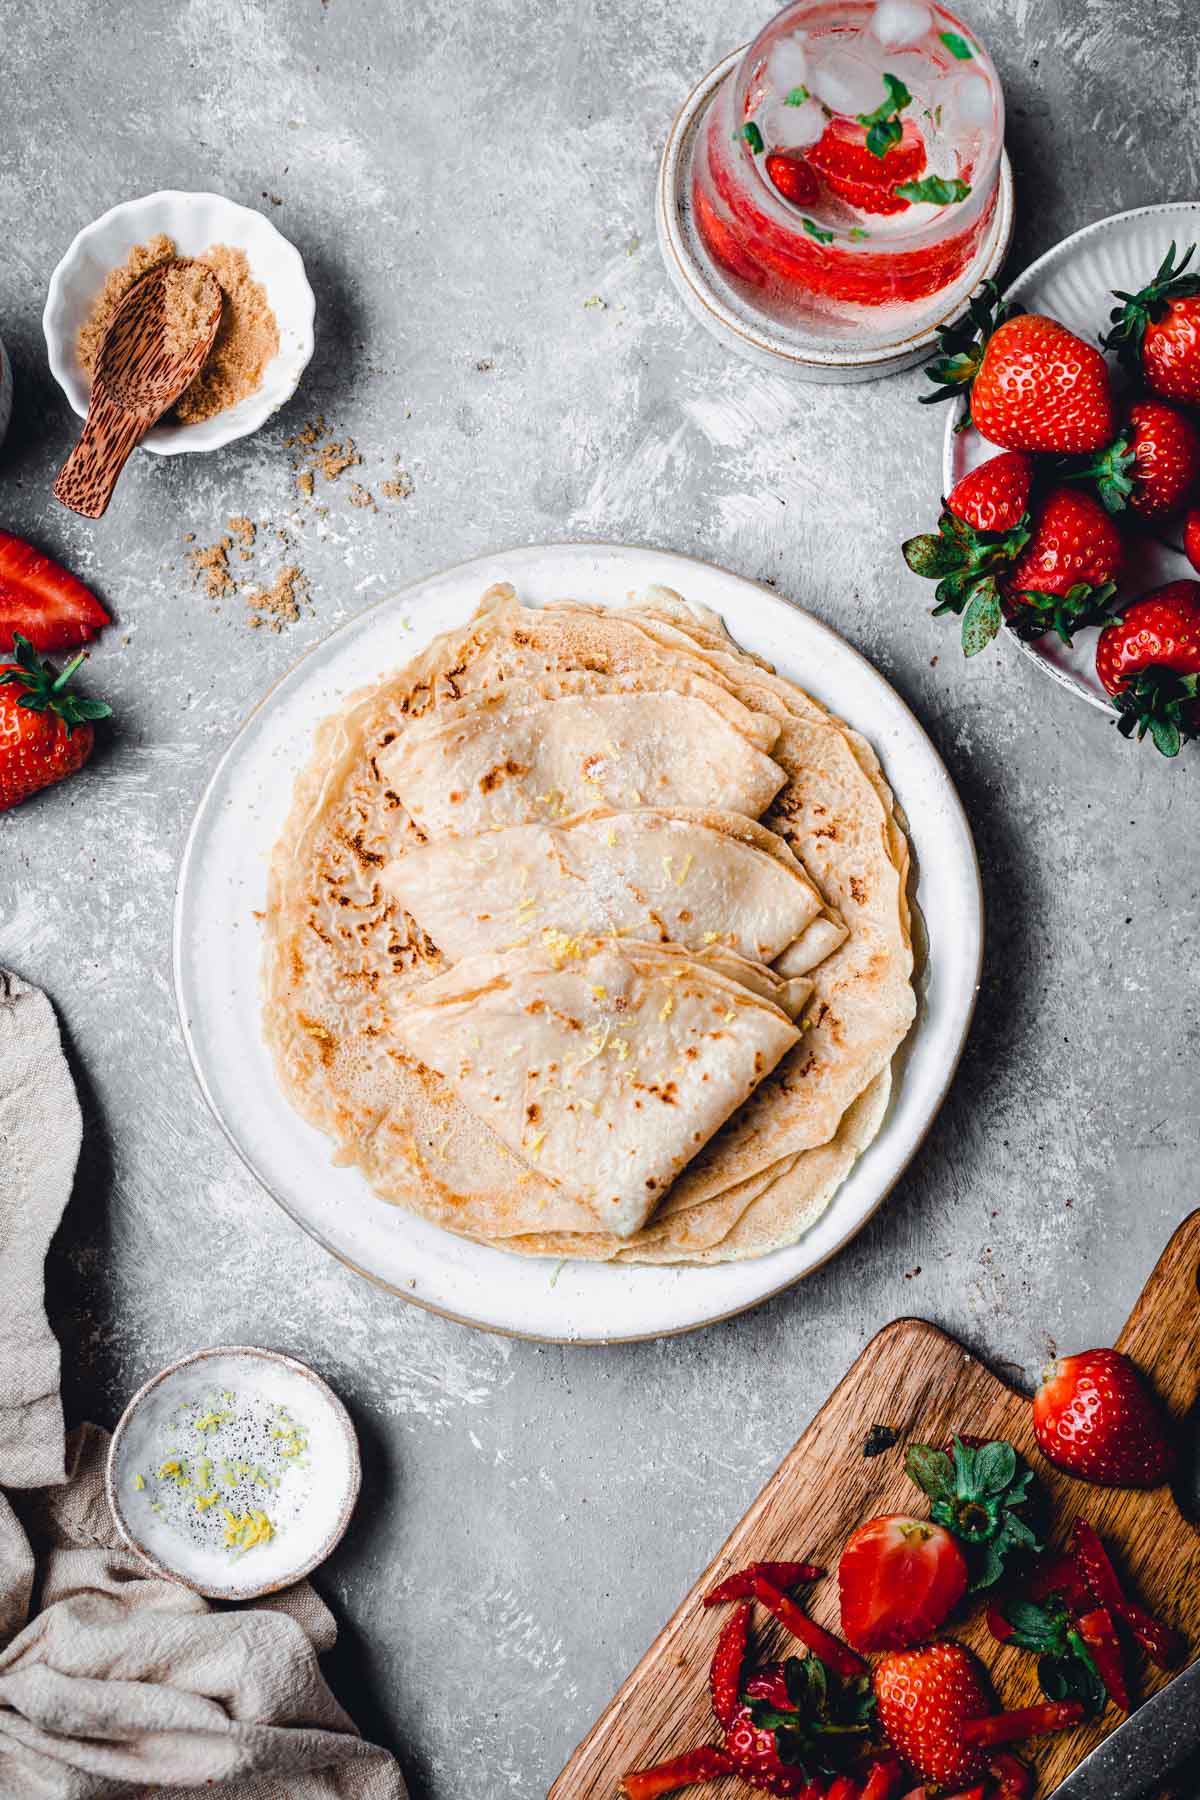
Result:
1072,481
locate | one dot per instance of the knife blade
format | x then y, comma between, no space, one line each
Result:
1153,1741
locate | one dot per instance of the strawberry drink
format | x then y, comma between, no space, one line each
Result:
851,163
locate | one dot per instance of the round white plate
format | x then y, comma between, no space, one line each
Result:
1073,283
222,883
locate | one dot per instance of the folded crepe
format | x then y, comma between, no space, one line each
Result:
472,765
690,878
341,952
604,1066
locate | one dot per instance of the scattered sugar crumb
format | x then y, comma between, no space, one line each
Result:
279,605
210,564
361,496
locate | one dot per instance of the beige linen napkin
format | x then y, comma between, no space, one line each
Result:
121,1682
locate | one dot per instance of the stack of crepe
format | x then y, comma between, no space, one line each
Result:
588,936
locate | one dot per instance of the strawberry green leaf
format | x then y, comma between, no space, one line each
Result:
957,46
982,619
1063,614
46,688
1148,305
962,344
797,97
931,556
752,135
934,189
1113,471
975,1491
817,231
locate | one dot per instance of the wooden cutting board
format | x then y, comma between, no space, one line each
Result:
915,1378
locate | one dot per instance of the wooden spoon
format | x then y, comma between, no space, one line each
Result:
136,378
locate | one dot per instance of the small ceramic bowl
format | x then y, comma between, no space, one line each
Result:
214,1413
194,222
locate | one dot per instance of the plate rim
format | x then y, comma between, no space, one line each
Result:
1031,274
483,560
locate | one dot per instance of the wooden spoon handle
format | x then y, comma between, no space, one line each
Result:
89,475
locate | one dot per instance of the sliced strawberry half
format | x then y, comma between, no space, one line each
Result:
43,601
899,1579
852,171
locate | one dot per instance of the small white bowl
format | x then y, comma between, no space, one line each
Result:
316,1498
194,222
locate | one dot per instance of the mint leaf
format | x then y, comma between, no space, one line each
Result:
934,189
883,125
797,97
957,46
752,135
816,231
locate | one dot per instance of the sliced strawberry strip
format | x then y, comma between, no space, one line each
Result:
975,1793
725,1672
1029,1721
44,601
1163,1645
1099,1634
783,1575
1055,1574
832,1652
997,1624
842,1787
703,1764
883,1782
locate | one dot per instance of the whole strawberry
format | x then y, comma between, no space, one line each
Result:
1158,329
45,728
995,496
1153,465
1094,1416
1149,661
935,1710
1033,385
1066,573
1054,571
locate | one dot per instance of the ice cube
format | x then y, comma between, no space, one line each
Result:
971,102
796,127
899,23
846,84
787,65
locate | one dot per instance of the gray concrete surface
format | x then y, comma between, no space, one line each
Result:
461,181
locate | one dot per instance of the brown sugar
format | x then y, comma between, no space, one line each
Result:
361,496
398,486
247,337
244,530
210,564
279,605
118,282
187,310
